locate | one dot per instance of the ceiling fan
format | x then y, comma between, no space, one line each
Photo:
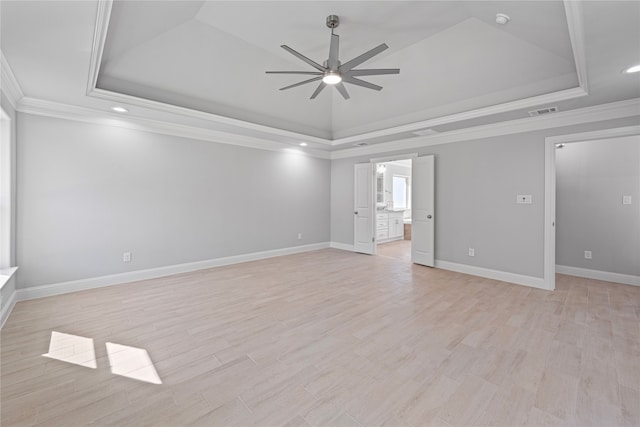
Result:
332,71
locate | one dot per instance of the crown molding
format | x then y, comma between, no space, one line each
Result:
575,24
573,11
506,107
103,15
196,114
9,83
614,110
87,115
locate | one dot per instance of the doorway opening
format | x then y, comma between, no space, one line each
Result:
620,202
380,218
392,188
600,177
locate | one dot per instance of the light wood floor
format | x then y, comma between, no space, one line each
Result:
332,338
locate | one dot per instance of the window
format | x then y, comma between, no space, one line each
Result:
401,192
5,189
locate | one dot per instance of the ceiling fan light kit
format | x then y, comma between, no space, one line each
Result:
332,78
332,71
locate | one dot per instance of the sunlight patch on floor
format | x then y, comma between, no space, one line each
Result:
132,362
72,349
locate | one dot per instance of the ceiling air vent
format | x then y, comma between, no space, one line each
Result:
542,111
425,132
360,144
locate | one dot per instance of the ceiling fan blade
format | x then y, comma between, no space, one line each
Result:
373,72
304,58
359,82
310,73
332,63
362,58
315,79
342,90
318,90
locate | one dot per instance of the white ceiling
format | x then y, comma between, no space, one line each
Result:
211,57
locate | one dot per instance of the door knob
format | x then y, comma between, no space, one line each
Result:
355,212
428,216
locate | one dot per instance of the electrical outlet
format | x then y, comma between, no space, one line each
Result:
587,254
299,236
126,257
524,199
472,252
626,200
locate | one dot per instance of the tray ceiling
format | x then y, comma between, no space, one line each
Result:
459,70
211,57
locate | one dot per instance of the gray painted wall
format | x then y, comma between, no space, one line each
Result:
89,192
591,178
476,186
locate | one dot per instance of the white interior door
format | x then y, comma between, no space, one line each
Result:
422,210
363,209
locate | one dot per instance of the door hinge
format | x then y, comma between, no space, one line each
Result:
373,239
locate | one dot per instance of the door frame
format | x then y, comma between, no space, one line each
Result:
374,163
550,189
372,204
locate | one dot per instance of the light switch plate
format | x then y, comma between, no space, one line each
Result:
626,200
524,199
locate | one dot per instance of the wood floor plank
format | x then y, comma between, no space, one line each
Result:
326,338
467,405
557,395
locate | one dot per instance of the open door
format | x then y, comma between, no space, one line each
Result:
363,209
422,210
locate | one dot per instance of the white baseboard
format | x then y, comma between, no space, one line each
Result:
518,279
342,246
606,276
115,279
393,239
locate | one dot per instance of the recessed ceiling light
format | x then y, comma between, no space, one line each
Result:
119,109
303,144
502,18
633,69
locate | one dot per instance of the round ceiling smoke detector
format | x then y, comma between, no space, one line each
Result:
502,19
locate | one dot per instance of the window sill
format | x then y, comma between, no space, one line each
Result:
6,274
